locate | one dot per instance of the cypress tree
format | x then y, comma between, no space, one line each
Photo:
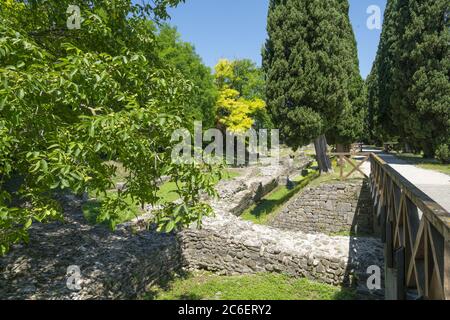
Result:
314,90
411,94
422,74
379,82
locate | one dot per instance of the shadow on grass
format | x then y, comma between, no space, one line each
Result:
266,206
277,198
92,211
165,284
345,294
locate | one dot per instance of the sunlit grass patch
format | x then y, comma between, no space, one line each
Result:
263,286
335,175
167,193
429,164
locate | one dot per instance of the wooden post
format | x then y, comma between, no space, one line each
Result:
400,268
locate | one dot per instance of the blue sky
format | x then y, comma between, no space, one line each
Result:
237,29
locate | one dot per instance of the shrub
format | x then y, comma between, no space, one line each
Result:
443,153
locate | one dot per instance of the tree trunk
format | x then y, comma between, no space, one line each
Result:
323,160
407,148
428,151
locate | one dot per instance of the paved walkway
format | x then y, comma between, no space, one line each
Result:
434,184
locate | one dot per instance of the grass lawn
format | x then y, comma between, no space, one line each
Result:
168,190
167,193
91,210
264,211
335,176
419,161
263,286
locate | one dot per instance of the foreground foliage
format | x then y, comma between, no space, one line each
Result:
73,100
167,193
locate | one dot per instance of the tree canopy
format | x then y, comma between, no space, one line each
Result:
72,99
409,87
182,56
313,83
240,105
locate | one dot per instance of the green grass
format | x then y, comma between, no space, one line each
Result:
267,208
230,174
419,161
91,209
264,286
167,193
335,176
168,190
349,233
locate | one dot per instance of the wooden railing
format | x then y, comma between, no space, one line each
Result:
354,159
415,231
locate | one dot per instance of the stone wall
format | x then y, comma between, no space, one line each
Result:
258,182
113,265
329,208
244,248
122,264
228,245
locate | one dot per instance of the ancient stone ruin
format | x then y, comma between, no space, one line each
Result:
125,263
331,208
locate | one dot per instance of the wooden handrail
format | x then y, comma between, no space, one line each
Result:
435,213
417,246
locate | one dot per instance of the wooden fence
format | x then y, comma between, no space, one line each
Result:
355,159
415,231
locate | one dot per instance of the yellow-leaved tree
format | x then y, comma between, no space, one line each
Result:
240,103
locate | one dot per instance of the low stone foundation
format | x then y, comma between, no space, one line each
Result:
245,248
228,245
121,264
113,265
329,208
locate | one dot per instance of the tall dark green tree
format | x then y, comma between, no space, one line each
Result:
314,90
410,92
379,82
